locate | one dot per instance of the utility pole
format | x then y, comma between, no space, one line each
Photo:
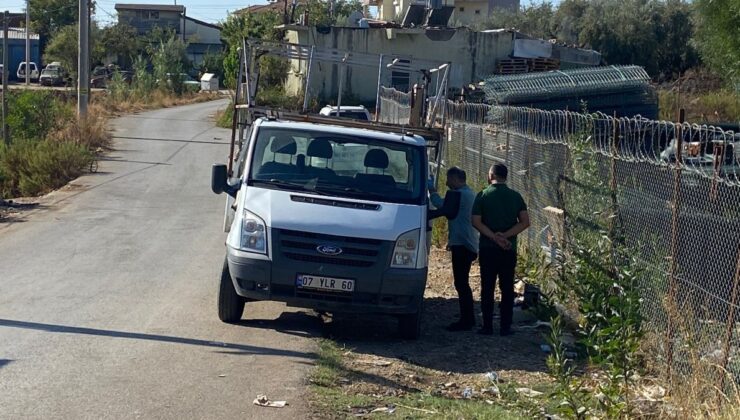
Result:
6,134
83,66
28,43
89,40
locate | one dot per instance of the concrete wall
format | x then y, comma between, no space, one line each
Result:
465,12
166,19
201,34
473,56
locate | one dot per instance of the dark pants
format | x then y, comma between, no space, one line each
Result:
496,262
462,258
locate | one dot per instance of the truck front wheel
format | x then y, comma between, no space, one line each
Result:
230,304
409,326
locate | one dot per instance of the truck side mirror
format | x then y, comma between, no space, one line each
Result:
218,178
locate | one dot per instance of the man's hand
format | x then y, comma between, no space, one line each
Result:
430,185
501,241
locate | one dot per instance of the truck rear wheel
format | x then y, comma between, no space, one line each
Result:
230,304
409,326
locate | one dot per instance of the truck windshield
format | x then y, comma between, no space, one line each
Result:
337,165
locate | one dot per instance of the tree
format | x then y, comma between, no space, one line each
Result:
169,59
263,26
655,34
247,25
122,41
718,36
50,16
534,20
63,47
213,62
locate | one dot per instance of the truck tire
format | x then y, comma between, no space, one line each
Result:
230,304
409,326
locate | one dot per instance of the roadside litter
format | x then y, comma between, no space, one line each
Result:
389,409
538,324
263,401
528,392
492,377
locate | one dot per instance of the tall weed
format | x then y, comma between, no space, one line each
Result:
31,167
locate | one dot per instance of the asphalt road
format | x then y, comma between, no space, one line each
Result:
108,292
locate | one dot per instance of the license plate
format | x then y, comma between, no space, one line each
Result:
307,281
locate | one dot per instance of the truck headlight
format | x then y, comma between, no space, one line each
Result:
253,233
406,250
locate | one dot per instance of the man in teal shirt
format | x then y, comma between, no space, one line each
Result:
499,214
462,241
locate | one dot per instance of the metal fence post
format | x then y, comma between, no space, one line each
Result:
528,171
480,157
507,156
613,185
730,322
463,144
674,243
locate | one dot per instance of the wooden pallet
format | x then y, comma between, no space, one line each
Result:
526,65
543,64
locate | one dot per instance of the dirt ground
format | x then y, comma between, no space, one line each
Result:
439,362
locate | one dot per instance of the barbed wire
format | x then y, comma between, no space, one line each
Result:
674,192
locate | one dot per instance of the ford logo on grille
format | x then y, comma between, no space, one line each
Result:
329,249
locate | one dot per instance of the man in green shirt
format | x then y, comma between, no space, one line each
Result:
499,214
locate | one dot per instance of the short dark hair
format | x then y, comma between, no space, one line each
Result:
458,173
499,170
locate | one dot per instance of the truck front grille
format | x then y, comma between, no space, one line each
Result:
303,246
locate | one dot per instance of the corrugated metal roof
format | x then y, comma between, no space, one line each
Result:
19,33
160,7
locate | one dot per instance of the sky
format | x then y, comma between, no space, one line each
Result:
212,11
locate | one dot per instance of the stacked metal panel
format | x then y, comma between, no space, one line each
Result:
624,90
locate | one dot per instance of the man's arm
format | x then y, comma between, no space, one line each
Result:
488,233
449,207
519,227
436,199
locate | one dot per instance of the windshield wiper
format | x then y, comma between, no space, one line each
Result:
353,192
287,185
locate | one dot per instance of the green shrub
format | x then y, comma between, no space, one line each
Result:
34,114
32,167
224,117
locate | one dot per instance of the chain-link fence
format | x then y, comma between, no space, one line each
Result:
668,192
395,106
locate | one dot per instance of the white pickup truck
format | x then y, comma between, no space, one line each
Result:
327,217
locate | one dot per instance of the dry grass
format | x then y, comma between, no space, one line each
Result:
156,99
91,132
701,107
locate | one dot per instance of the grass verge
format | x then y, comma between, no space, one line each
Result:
49,146
333,398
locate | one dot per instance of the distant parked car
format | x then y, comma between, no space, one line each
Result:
188,82
101,76
33,72
353,112
56,65
52,77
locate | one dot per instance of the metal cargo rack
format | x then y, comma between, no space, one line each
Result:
246,109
